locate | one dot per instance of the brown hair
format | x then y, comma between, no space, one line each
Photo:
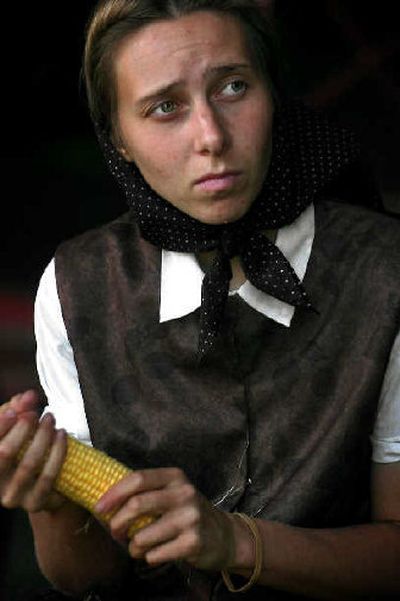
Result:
113,20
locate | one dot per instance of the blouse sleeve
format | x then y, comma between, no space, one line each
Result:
55,361
386,435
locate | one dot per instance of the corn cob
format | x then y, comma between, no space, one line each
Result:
86,475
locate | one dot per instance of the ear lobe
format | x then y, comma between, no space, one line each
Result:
124,153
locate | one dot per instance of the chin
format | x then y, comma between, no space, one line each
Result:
222,217
219,213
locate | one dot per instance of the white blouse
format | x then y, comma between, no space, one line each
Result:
55,359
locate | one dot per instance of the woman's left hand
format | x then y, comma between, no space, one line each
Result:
188,527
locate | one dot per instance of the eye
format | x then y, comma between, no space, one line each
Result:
234,88
167,107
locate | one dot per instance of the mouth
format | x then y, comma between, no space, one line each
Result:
217,182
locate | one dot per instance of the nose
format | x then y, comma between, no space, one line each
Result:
210,133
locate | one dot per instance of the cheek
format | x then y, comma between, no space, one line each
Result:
262,133
153,157
161,166
257,143
144,146
256,129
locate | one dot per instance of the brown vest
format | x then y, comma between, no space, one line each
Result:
276,421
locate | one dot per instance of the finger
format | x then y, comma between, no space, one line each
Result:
31,463
154,503
137,482
17,435
25,401
151,503
4,407
22,402
7,405
168,527
139,548
187,546
8,421
8,418
11,445
45,483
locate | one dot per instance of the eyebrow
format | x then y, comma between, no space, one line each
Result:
217,70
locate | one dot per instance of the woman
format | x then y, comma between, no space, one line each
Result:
260,404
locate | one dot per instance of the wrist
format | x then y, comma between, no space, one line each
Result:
248,557
243,554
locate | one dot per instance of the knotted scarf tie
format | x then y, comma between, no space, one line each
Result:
307,154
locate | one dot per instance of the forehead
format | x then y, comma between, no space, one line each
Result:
182,47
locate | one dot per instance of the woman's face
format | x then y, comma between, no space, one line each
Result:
195,115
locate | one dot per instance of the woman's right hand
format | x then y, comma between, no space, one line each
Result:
29,483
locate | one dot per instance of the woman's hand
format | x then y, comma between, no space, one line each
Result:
29,483
188,527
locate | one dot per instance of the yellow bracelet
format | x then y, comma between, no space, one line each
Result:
252,525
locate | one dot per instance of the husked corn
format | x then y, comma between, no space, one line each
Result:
87,474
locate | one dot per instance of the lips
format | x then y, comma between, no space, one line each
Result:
216,182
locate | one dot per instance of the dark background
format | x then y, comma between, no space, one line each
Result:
343,56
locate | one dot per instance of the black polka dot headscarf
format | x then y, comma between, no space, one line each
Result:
308,154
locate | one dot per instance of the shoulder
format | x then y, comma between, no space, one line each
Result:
356,255
360,219
104,256
91,241
99,252
359,230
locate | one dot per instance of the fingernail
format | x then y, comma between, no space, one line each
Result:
48,418
10,413
101,507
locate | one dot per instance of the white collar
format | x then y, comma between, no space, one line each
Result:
182,276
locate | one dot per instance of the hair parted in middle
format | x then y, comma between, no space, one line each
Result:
113,21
